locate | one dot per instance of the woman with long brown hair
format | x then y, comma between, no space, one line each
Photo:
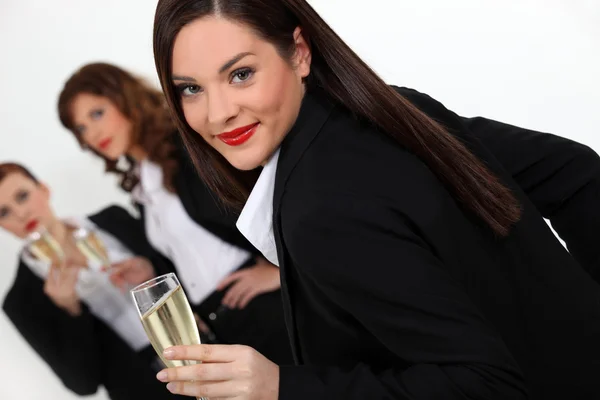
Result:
85,329
123,120
413,264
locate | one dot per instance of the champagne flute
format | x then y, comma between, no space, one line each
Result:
45,247
91,247
166,316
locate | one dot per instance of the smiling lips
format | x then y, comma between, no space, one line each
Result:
105,143
238,136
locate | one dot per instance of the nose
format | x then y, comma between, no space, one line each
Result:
221,107
92,134
21,213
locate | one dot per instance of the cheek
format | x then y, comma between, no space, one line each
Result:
115,123
124,126
194,115
276,92
281,95
15,228
39,204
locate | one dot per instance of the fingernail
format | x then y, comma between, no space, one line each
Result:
171,387
168,353
162,375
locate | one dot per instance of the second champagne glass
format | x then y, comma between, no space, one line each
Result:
91,247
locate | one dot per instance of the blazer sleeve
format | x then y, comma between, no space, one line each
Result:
362,252
559,176
69,345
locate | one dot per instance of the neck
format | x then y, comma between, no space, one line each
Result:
137,153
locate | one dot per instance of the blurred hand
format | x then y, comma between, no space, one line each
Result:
226,372
250,282
131,272
60,288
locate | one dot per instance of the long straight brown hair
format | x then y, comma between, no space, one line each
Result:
348,80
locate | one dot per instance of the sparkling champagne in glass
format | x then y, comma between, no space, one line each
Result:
166,316
45,247
90,245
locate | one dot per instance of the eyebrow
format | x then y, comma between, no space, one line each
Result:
223,68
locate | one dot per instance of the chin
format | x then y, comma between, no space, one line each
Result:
114,155
244,165
247,163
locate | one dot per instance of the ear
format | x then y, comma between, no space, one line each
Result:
303,55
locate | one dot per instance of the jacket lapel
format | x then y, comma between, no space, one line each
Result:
123,226
314,112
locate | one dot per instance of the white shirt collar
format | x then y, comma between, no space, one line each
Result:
256,220
151,181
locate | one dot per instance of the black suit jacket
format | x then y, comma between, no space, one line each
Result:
559,176
392,291
83,351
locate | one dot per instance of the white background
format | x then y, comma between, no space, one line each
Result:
533,63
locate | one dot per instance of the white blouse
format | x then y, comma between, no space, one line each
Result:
94,288
201,258
256,220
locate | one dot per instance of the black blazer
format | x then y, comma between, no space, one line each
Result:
83,351
392,291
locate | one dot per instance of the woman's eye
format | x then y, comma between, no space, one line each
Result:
186,90
241,75
97,114
22,196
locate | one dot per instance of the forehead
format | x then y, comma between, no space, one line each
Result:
204,45
83,103
11,184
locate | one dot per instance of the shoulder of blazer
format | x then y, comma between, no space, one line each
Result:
26,286
126,228
117,221
110,212
352,160
350,153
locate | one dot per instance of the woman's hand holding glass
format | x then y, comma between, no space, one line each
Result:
225,372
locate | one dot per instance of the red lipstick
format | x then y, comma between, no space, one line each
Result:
105,143
31,225
238,136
